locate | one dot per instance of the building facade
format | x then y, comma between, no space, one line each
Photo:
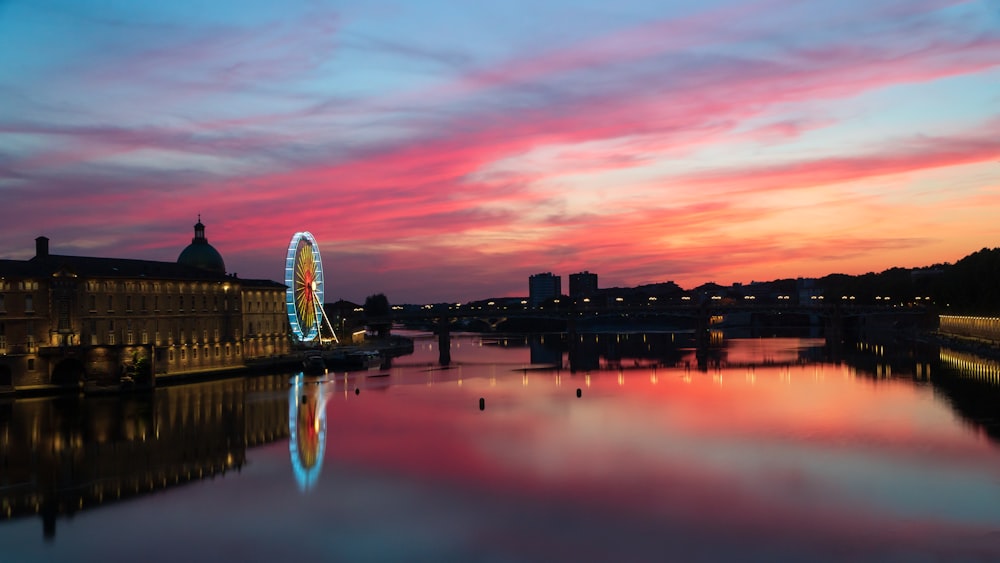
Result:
70,321
582,284
542,287
265,327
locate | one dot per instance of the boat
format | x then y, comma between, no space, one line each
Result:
368,359
355,360
313,364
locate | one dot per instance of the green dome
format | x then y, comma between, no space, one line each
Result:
200,254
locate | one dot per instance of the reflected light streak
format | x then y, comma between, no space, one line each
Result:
307,430
970,366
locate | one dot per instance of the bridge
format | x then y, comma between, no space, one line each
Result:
711,312
837,318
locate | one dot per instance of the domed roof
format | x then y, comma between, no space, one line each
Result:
200,254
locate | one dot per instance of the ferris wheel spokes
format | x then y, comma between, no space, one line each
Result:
304,294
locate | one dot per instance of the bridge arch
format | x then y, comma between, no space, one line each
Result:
69,373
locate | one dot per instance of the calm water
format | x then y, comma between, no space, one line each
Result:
768,452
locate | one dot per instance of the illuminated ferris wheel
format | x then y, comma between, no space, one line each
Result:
304,296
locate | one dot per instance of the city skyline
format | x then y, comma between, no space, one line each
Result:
447,152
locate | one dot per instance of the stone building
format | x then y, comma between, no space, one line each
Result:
542,287
71,321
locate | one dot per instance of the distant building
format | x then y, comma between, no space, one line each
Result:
71,321
582,284
347,320
542,287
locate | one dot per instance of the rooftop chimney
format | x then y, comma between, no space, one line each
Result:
41,247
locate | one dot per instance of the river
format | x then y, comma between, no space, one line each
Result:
545,448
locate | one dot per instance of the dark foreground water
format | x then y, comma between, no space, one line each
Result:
768,452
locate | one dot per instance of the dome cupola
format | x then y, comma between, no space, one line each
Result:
200,254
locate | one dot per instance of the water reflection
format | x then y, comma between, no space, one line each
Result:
777,453
68,454
600,351
971,386
307,429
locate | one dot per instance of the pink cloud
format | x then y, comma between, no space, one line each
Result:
408,200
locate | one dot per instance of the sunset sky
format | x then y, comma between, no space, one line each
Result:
445,151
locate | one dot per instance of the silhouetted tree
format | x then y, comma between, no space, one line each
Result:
377,307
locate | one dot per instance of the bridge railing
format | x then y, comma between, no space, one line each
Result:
984,328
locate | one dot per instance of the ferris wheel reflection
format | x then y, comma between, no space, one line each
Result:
307,430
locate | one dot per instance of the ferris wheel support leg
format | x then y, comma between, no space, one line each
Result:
320,318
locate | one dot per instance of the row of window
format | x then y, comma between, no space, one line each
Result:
29,303
20,285
111,338
206,354
109,286
182,304
130,333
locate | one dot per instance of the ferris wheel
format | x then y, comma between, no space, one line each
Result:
304,296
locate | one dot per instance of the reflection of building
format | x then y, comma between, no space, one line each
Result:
70,320
582,284
542,287
59,458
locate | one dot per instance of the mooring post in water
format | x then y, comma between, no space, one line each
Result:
444,342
